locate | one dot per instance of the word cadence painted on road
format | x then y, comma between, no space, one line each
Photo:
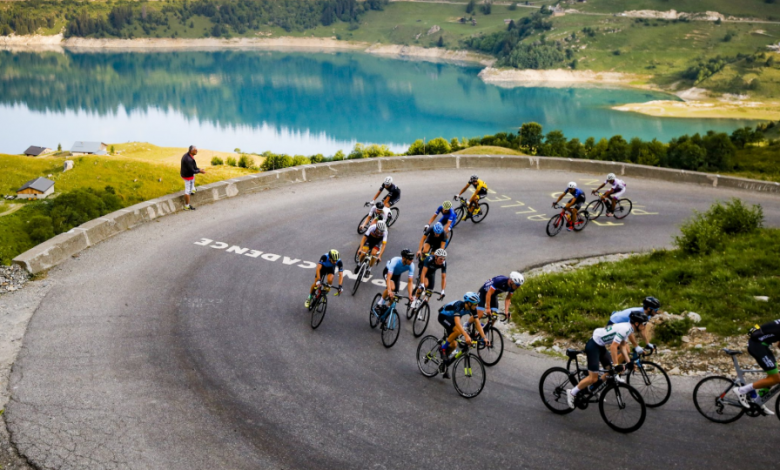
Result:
285,260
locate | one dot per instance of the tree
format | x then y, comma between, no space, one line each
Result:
617,149
720,151
59,147
487,6
555,145
440,42
575,149
40,228
470,6
531,136
599,151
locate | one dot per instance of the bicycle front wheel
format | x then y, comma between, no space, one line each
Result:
483,212
363,225
428,357
459,212
713,399
357,254
319,312
622,408
652,382
394,214
582,221
623,208
359,280
490,355
595,209
451,234
553,387
373,319
468,375
554,225
423,315
391,328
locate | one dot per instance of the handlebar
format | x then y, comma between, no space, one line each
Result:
368,203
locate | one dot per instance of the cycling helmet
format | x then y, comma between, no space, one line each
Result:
471,298
637,317
381,226
651,303
388,180
438,228
334,255
440,253
407,254
611,177
517,278
446,205
473,178
572,185
380,205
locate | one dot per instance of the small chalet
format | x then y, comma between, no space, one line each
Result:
38,188
34,151
89,148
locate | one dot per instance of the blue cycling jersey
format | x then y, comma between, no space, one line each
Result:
623,316
455,309
577,193
327,263
446,216
499,284
397,267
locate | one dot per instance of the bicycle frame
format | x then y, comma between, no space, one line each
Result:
740,380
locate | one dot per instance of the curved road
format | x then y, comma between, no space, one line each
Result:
184,343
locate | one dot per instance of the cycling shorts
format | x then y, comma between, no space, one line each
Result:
373,242
763,355
619,194
430,279
447,322
394,198
327,270
578,203
396,279
483,298
482,193
596,354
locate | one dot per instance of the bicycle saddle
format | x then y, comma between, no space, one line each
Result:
731,352
572,353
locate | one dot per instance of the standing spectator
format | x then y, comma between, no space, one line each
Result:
188,171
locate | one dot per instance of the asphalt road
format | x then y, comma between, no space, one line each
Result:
184,344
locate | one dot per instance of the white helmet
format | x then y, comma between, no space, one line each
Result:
572,185
388,180
517,278
440,253
611,177
381,226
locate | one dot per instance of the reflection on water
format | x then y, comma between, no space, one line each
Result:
289,102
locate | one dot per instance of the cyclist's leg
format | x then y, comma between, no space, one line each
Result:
449,324
375,252
473,202
766,360
594,352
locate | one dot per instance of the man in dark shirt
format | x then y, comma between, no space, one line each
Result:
188,171
761,339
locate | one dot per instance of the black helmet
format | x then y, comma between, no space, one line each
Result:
651,303
407,254
380,205
638,317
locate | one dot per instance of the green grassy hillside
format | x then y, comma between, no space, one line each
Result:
743,8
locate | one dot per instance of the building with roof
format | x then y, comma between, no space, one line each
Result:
39,188
89,148
35,151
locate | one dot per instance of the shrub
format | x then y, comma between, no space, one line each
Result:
671,332
216,161
231,161
245,161
317,158
438,146
705,232
40,228
275,162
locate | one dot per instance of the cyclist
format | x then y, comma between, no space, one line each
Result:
650,308
427,279
378,211
617,191
392,274
329,263
450,318
574,204
761,338
615,337
447,216
393,193
433,238
370,244
488,293
480,191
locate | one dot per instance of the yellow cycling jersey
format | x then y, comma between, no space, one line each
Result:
479,186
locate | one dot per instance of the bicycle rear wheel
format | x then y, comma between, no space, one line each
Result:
423,315
490,355
359,280
428,357
652,382
713,399
554,225
595,209
357,253
623,208
458,216
582,221
391,328
451,234
373,319
394,214
319,312
622,408
364,220
484,208
553,387
468,375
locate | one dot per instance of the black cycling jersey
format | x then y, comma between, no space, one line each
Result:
430,263
768,333
393,191
433,239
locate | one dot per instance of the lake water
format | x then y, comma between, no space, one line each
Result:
292,102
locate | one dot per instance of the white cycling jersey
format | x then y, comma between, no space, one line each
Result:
385,212
617,185
618,332
371,232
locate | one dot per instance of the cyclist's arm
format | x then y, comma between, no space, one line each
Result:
559,198
448,226
613,350
632,339
481,331
377,194
443,281
599,188
362,242
464,189
423,277
488,296
382,250
433,217
645,335
422,243
317,274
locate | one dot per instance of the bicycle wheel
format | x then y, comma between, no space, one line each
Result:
582,221
359,280
623,208
622,408
468,375
553,387
595,209
714,400
652,382
394,214
409,310
449,237
554,225
363,220
391,328
314,300
484,208
319,312
421,320
490,355
373,320
459,214
357,254
428,356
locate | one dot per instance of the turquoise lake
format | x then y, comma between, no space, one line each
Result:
292,102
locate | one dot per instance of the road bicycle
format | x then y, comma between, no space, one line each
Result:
389,319
319,303
468,370
621,406
714,399
557,221
649,378
420,311
462,212
362,270
490,355
365,221
596,207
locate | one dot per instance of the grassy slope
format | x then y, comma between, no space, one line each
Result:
745,8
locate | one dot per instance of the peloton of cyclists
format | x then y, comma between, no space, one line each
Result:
480,191
329,263
760,340
615,192
574,204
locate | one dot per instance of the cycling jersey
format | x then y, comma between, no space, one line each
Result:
624,316
385,212
396,267
576,193
327,263
434,240
454,309
617,333
430,263
393,191
446,216
373,233
617,185
479,185
498,284
768,333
